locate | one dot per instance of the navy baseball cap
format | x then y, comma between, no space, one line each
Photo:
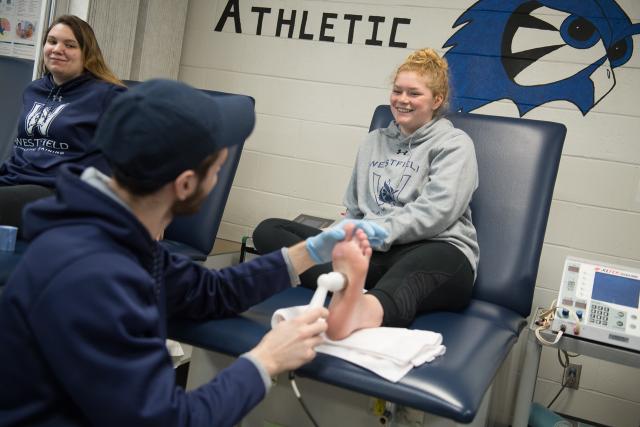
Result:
160,128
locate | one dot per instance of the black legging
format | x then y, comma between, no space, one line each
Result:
407,280
13,198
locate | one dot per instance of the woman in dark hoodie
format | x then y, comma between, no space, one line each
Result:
59,115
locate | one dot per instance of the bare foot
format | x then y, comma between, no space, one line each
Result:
350,309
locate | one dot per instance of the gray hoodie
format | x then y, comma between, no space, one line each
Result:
417,187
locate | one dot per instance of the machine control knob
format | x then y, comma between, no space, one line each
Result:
565,312
579,314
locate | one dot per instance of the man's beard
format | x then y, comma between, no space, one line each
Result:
191,204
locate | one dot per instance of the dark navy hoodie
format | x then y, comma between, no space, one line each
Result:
56,126
83,320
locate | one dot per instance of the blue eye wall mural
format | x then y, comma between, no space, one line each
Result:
534,52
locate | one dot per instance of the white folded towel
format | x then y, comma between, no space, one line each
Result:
388,352
174,348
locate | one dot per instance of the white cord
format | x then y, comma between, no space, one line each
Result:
294,386
544,341
544,320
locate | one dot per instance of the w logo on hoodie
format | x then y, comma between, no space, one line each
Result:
384,191
42,117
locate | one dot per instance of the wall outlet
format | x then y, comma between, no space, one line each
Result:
571,376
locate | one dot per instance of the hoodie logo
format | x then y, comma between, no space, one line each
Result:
42,117
384,192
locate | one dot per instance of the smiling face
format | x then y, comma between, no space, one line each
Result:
62,54
413,103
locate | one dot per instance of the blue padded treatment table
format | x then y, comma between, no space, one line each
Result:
518,161
451,386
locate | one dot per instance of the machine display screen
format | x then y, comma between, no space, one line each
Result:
616,289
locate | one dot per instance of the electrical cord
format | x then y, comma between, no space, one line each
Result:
554,399
563,359
564,362
544,321
294,386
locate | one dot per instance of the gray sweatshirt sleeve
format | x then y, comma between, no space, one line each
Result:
350,201
447,192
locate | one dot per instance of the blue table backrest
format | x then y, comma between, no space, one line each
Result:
200,229
509,213
194,235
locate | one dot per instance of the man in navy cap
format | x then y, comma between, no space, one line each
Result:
83,318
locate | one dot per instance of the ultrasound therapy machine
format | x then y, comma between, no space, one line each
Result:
596,314
599,302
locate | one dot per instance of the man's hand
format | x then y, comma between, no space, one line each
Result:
292,343
320,246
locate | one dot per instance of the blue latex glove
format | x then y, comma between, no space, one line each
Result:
375,233
321,245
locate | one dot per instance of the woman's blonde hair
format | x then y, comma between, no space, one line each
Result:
92,58
427,63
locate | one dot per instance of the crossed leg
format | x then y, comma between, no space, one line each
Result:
350,309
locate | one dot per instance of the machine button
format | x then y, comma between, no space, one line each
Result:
620,314
619,323
579,314
565,312
633,326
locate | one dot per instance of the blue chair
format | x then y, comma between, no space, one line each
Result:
518,161
194,235
16,75
191,235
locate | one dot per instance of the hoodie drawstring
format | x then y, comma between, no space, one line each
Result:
48,103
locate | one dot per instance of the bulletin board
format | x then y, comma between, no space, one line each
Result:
19,27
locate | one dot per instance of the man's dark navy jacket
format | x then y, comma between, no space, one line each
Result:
83,320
